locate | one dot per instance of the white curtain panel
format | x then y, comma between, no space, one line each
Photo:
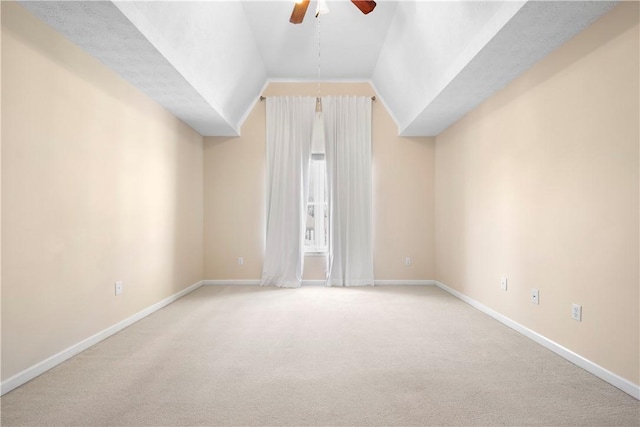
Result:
289,129
348,153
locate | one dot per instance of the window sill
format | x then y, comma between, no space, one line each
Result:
315,254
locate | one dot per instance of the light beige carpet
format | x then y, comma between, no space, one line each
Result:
247,355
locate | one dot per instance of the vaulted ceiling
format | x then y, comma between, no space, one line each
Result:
430,62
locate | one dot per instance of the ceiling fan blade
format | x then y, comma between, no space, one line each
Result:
299,10
364,6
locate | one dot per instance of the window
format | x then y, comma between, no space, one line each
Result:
317,229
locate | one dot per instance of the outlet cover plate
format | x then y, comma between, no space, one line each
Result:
503,283
118,287
535,296
576,312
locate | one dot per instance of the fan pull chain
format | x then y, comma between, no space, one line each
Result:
319,99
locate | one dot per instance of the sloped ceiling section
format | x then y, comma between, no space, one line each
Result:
430,61
102,30
427,46
500,42
211,45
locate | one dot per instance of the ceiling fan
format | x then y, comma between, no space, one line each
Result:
300,8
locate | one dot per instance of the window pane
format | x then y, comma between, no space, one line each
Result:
309,238
317,222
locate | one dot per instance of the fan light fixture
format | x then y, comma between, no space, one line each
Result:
322,8
300,8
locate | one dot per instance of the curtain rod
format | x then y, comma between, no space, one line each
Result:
262,98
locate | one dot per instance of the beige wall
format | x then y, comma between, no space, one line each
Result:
540,183
99,184
402,195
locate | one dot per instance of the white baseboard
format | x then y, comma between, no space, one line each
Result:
589,366
41,367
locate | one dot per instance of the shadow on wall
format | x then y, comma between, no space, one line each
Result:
187,184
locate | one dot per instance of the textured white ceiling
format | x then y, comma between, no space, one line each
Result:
103,31
427,45
429,61
350,42
532,32
211,44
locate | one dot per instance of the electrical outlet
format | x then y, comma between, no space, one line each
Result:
240,261
576,312
503,283
535,296
119,287
408,261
